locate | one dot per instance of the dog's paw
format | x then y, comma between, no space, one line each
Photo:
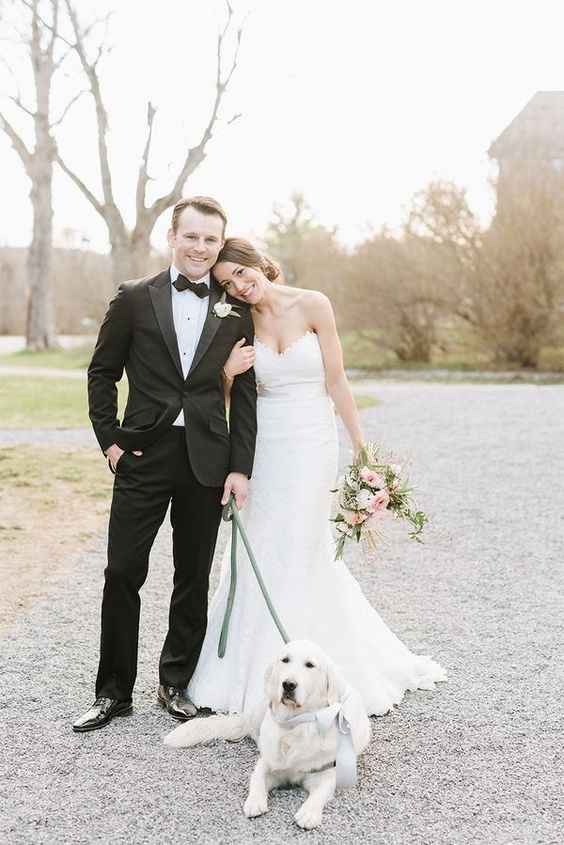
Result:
308,817
255,806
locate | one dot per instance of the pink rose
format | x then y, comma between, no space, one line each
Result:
355,518
371,477
379,502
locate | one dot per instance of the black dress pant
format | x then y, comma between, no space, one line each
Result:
143,488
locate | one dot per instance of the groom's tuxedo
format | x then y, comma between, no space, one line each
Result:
184,466
138,334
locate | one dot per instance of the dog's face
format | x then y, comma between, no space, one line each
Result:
302,678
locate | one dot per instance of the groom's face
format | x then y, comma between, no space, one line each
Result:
196,243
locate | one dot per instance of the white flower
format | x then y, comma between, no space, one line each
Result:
351,482
223,309
344,528
364,497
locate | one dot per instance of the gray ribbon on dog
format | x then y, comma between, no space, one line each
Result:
345,764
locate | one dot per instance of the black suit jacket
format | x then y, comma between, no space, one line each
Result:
138,334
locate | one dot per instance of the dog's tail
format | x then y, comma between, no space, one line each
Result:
200,730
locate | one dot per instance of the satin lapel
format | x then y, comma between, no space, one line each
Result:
161,297
211,326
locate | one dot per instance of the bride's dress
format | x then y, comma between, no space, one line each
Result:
287,523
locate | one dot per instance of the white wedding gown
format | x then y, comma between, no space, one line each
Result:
287,522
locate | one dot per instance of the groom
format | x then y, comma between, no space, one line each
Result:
173,447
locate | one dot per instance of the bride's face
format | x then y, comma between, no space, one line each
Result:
245,283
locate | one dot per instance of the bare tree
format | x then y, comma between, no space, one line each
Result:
130,248
39,40
393,295
510,278
308,252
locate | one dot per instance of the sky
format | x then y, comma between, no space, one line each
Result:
356,104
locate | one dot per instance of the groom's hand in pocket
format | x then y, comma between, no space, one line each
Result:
114,453
238,484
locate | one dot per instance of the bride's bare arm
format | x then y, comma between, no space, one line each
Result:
322,320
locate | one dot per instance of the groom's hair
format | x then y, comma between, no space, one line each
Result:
205,205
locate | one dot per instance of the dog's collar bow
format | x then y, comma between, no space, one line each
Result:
325,718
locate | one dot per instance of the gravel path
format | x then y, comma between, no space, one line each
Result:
478,761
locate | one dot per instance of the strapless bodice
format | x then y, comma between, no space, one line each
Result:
296,373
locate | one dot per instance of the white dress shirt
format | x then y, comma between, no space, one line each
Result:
189,315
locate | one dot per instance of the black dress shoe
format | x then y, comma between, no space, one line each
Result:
101,713
176,702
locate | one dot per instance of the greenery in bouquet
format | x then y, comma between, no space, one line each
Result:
371,488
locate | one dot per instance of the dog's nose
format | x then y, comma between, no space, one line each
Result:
289,686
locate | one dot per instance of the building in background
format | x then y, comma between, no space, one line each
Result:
530,151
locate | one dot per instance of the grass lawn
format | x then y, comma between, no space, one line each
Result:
363,401
363,351
43,402
67,359
53,501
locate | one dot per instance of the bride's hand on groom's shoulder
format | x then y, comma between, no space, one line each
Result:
238,484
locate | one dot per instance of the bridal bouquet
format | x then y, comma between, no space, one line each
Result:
371,488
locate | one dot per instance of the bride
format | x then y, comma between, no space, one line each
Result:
300,376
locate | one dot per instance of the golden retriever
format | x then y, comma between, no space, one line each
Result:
308,730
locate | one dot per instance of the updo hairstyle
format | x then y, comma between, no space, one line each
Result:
241,251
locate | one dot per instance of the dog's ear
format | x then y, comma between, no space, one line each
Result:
354,711
336,684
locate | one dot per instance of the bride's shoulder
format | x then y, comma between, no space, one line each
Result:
309,298
316,303
312,304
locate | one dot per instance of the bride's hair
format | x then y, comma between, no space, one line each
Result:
241,251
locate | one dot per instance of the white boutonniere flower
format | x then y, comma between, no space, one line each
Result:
223,308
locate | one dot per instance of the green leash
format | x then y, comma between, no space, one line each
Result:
230,513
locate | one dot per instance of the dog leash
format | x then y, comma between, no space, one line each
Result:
231,514
345,762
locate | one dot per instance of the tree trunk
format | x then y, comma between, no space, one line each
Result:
141,249
40,331
122,265
416,337
130,252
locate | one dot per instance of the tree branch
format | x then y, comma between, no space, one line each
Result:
17,142
33,9
197,153
92,199
101,112
54,31
143,177
17,101
67,108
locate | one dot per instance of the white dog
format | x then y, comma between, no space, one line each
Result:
309,731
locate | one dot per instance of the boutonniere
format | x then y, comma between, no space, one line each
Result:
223,308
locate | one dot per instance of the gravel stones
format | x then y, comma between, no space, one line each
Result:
476,761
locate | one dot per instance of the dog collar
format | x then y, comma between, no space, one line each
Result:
325,718
324,768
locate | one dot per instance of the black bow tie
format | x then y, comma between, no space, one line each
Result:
200,289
